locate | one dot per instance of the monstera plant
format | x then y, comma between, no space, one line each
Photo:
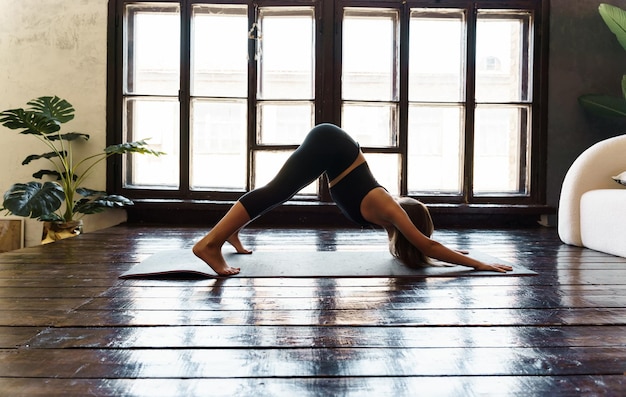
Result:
605,105
59,196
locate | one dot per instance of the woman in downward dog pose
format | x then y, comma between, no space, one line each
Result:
327,148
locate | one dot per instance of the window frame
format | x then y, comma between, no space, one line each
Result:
328,97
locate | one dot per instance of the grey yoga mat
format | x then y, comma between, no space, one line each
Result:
307,264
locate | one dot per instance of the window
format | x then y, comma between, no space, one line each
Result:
444,97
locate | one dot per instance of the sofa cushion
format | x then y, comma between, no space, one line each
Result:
603,220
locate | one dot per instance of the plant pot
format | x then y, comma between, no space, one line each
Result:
54,231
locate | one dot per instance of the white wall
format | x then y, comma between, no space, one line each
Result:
54,47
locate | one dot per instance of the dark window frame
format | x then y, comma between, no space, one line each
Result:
328,95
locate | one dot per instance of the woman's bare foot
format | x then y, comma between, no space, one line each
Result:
213,257
236,243
209,248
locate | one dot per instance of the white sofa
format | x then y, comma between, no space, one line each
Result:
592,206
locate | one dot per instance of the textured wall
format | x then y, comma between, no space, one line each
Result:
52,47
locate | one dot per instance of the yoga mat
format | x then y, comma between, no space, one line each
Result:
308,264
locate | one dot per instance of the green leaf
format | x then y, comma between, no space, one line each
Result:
615,19
33,199
604,105
41,173
86,192
86,206
49,155
113,200
53,107
28,122
624,85
52,217
71,136
132,147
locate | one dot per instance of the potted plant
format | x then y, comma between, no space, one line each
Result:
61,200
606,105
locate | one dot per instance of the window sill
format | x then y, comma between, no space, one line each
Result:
317,214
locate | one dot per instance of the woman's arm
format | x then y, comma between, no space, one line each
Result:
380,208
438,251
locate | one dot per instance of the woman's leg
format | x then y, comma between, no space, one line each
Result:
305,165
209,248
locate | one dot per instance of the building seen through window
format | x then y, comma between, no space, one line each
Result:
441,100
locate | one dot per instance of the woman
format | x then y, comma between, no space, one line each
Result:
327,148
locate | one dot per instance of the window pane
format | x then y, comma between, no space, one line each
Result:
219,51
436,55
287,53
218,151
502,57
371,124
386,168
284,123
370,59
158,121
152,53
501,150
435,149
235,138
268,163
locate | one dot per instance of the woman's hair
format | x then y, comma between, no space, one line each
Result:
399,246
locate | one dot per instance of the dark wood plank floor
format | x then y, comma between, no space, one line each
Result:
69,326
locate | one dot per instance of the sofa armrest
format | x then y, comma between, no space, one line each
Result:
590,171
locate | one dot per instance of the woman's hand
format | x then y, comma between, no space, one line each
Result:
493,267
486,267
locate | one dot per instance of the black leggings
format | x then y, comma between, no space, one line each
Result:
327,148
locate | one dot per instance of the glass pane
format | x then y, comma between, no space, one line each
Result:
219,55
284,123
501,150
374,124
503,57
152,53
287,55
435,149
436,55
218,149
158,121
268,163
370,58
386,170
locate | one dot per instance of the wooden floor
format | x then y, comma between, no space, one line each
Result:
69,326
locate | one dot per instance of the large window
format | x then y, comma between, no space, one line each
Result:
444,97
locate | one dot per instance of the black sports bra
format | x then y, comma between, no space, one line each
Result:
349,192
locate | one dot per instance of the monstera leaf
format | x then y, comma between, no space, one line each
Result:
605,105
53,107
95,201
42,118
71,136
34,199
131,147
28,122
93,206
49,155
